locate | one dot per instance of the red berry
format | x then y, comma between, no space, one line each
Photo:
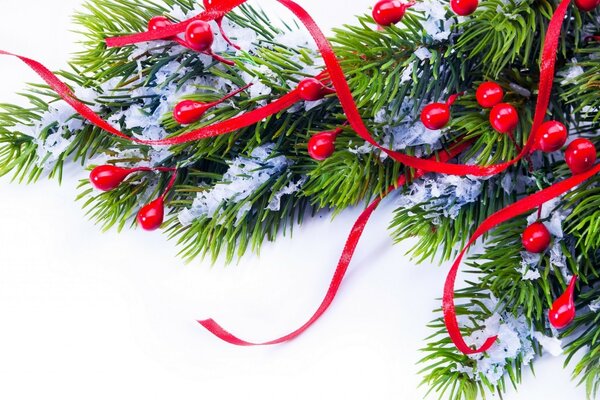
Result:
551,136
562,312
158,22
435,115
152,215
489,94
199,36
504,118
312,89
322,145
464,7
587,5
580,155
190,111
108,177
389,12
536,238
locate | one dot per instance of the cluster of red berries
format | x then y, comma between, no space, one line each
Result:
504,117
109,177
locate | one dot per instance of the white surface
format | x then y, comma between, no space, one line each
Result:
85,315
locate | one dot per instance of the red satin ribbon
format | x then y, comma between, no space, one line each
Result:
220,128
353,239
525,204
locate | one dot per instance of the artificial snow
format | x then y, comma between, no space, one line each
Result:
291,188
244,176
507,183
258,88
441,195
514,338
551,345
407,73
559,260
62,122
529,265
437,24
422,53
594,305
573,72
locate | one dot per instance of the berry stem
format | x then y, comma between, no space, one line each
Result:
339,129
219,22
230,95
512,138
452,98
170,185
571,287
151,169
220,59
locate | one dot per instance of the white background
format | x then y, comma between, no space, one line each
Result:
86,315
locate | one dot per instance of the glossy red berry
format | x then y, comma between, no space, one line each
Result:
489,94
158,22
562,312
199,36
435,115
151,216
587,5
108,177
389,12
551,136
464,7
504,118
322,145
536,238
580,155
312,89
190,111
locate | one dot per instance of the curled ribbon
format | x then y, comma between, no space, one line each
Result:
342,267
525,204
334,72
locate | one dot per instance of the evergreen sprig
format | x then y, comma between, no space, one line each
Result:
390,80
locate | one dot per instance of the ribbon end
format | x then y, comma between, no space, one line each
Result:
213,327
